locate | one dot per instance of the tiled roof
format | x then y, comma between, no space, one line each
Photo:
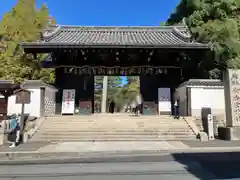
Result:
203,82
38,83
84,36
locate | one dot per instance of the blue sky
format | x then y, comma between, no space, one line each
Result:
105,12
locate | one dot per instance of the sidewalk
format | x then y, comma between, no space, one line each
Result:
45,150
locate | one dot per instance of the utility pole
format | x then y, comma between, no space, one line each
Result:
104,94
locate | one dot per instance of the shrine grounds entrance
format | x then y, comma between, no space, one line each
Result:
150,80
121,92
163,57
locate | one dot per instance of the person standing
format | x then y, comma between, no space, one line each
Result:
112,107
14,135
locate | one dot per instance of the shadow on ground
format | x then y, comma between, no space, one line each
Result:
224,165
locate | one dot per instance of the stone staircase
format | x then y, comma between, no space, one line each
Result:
116,127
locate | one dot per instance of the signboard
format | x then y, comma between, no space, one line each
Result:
85,107
149,108
23,97
68,101
164,100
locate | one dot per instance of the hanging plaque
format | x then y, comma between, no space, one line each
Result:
23,96
116,70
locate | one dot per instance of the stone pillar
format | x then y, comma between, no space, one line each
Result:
104,94
232,97
231,82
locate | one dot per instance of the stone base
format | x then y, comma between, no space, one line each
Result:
25,137
203,136
229,133
3,138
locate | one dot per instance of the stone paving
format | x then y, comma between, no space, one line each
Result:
120,146
112,146
215,143
23,147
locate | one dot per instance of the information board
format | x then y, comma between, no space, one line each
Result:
68,101
164,100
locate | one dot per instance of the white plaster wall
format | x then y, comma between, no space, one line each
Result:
207,97
33,109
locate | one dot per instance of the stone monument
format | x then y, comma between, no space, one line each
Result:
231,82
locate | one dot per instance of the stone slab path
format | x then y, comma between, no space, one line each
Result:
121,146
112,146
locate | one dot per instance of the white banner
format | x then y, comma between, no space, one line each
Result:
164,100
68,101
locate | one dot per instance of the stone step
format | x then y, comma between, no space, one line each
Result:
114,120
109,115
117,130
148,126
115,133
113,138
72,131
129,129
119,118
111,118
114,125
113,128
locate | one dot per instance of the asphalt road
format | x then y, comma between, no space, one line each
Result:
169,170
167,167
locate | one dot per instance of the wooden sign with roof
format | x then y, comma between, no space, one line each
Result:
23,96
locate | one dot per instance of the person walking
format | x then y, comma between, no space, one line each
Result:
176,109
133,106
139,104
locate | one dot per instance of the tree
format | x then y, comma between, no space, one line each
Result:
98,85
215,21
126,94
25,23
114,83
162,23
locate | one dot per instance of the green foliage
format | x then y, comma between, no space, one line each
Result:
121,95
217,21
126,94
25,23
162,23
114,83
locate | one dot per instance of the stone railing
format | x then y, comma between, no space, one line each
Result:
5,125
4,130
